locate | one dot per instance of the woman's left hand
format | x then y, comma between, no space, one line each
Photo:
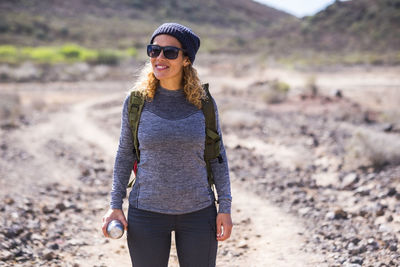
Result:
224,226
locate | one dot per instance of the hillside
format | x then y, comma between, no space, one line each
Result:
124,23
355,31
366,25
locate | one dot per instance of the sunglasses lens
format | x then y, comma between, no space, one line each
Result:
153,50
171,52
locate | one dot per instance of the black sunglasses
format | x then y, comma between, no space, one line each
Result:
170,52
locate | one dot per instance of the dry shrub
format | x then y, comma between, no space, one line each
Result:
310,88
372,148
275,92
10,109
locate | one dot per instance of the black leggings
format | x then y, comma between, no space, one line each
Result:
149,237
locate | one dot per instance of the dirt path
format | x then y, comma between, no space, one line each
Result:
263,235
60,144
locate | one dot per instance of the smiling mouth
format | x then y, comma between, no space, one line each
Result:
161,67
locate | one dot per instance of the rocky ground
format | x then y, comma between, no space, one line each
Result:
313,157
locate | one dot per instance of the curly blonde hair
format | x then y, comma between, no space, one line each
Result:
147,84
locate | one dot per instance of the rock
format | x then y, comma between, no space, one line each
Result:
392,192
387,127
357,260
304,211
243,245
393,247
61,206
47,210
13,232
85,172
340,214
372,244
49,255
9,201
338,93
349,181
54,246
6,255
330,215
355,249
384,228
26,237
380,212
326,179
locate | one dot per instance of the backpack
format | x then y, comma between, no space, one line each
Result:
212,142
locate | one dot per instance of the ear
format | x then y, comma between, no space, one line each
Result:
186,62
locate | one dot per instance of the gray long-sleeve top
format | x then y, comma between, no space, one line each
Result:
172,173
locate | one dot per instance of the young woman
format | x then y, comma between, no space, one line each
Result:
171,191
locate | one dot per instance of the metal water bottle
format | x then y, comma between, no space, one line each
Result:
115,229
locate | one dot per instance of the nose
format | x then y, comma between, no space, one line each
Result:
161,54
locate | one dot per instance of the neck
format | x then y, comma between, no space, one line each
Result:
172,84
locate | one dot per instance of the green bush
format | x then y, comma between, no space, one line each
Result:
71,51
45,54
108,57
131,52
67,53
8,53
74,52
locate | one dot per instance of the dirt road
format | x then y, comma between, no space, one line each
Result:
70,152
263,234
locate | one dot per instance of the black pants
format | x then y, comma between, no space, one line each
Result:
149,237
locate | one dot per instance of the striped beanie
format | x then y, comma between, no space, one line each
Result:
188,39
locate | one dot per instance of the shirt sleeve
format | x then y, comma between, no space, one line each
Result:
124,160
221,174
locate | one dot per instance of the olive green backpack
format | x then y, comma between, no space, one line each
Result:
212,142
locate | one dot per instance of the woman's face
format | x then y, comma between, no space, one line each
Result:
169,71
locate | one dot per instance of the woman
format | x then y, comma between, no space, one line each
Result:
171,191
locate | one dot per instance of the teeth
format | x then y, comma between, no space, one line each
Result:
161,67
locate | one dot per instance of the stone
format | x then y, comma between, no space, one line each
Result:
391,192
49,255
61,206
326,179
13,232
357,260
393,247
6,255
340,214
349,181
9,201
47,210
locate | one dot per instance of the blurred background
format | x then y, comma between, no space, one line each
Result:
308,94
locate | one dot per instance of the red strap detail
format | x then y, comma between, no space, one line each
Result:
135,167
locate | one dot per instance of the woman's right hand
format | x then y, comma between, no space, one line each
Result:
113,214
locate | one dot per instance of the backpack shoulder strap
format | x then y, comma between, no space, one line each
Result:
136,103
212,142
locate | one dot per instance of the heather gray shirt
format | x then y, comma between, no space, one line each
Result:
172,173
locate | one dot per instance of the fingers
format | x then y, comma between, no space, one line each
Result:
104,228
113,214
125,223
219,228
224,226
226,233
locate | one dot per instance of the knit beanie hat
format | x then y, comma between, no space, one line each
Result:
188,39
